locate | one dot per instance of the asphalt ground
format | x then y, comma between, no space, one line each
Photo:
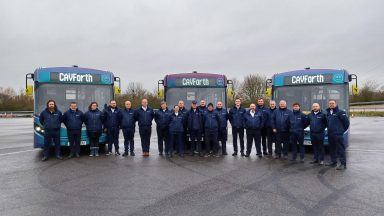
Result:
227,185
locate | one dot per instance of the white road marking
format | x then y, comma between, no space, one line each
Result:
18,152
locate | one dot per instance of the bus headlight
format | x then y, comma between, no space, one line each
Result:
39,129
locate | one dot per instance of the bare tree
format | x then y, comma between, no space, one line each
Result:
253,87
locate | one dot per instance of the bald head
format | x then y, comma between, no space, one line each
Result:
315,107
283,104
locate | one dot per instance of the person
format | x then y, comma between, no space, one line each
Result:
93,120
236,118
162,126
264,110
203,107
337,124
195,127
176,131
144,116
298,123
211,129
271,138
184,111
281,126
317,124
223,132
254,122
112,121
50,119
128,124
73,121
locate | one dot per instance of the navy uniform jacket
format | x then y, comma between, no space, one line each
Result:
281,120
299,121
144,118
255,122
236,117
265,114
194,120
93,120
51,120
317,122
223,116
183,110
338,121
162,118
211,121
176,123
112,120
268,120
73,120
203,109
128,120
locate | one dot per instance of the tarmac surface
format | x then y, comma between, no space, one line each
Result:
227,185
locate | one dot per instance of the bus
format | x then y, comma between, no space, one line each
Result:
67,84
310,86
194,86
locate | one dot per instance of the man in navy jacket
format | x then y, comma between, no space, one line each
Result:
298,123
128,123
271,137
317,123
338,124
144,116
254,122
264,110
211,130
162,126
73,121
223,132
50,119
176,131
112,123
194,120
281,125
236,118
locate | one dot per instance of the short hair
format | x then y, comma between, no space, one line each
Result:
90,105
296,104
112,100
260,99
73,102
332,100
162,102
175,106
238,99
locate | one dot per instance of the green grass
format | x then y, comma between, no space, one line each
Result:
367,114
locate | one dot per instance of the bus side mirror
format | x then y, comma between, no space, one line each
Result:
160,93
268,92
117,90
29,90
355,89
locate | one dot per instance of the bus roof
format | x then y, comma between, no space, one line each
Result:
195,79
311,76
73,75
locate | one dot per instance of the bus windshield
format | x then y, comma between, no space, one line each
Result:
306,95
63,94
210,95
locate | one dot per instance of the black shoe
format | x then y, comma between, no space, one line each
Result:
132,153
44,158
277,156
260,156
59,157
71,156
117,153
265,153
77,155
242,154
234,154
331,164
161,153
224,153
314,162
246,155
201,154
125,154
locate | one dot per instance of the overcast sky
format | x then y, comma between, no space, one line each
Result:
142,40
